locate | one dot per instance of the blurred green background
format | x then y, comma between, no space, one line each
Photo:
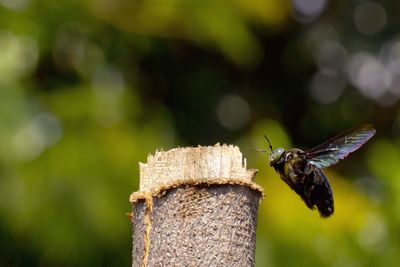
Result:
90,88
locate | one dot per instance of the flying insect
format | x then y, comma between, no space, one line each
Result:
302,170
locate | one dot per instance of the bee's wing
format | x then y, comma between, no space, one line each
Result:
337,148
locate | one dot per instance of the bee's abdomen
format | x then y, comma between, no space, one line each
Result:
320,194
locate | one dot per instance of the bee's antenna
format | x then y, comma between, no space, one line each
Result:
270,146
259,150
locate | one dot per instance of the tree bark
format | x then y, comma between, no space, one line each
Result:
196,207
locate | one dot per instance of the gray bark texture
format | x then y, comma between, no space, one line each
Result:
196,207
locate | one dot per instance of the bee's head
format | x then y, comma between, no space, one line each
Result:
275,154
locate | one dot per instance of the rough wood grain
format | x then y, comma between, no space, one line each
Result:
196,207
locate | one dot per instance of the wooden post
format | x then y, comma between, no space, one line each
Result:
196,207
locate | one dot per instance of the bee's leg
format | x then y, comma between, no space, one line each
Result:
308,190
289,172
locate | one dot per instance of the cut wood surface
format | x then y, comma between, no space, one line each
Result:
196,207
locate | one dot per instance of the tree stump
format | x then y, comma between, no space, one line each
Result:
196,207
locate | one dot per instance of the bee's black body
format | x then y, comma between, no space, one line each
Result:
309,182
301,170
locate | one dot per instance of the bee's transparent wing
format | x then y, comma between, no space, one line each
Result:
337,148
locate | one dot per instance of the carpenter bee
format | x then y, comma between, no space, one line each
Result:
301,170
